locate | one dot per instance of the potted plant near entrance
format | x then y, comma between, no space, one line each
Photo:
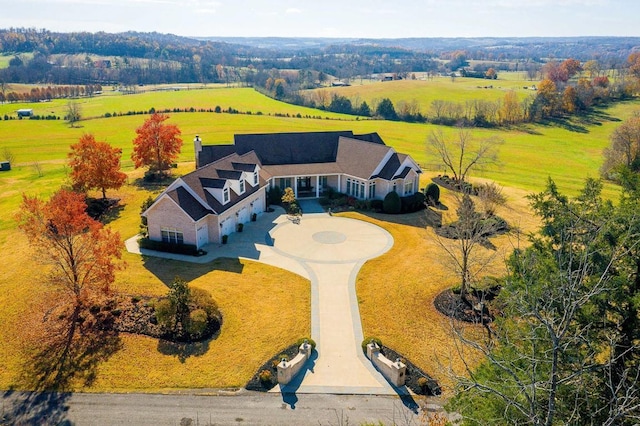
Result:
224,239
254,217
240,226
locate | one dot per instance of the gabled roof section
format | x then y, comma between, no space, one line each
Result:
188,203
359,158
403,174
291,148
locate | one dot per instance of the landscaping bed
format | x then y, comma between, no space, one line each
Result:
259,383
416,379
137,315
477,311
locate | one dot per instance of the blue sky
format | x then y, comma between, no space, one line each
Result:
331,18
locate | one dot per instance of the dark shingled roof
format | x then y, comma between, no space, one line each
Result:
211,153
370,137
189,204
229,174
389,169
245,167
212,183
403,173
291,148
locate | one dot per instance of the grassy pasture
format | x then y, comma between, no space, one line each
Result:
424,92
529,155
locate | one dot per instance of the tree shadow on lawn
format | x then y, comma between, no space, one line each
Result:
167,270
66,352
183,350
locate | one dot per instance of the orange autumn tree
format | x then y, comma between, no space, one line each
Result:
80,251
157,144
95,165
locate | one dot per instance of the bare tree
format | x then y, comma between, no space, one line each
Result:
463,154
73,113
7,155
491,196
463,242
624,149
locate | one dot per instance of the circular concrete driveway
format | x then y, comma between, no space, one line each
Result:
329,239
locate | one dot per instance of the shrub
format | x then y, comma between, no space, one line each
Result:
368,340
377,205
265,376
412,203
203,300
423,382
432,194
165,313
309,341
240,227
391,203
224,239
198,320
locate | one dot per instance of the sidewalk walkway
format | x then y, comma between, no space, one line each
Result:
329,251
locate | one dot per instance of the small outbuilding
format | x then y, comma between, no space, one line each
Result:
5,166
25,112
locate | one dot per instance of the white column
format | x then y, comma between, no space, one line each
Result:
317,186
295,186
339,184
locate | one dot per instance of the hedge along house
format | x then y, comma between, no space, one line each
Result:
230,181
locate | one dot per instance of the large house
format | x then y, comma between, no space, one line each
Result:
230,182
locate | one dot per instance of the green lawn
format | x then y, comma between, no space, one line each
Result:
425,91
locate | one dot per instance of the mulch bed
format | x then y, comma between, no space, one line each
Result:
135,314
451,304
255,384
413,375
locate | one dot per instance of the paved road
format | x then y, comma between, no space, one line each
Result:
246,408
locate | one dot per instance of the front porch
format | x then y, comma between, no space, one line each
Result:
307,187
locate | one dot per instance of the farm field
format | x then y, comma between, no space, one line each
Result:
529,156
425,91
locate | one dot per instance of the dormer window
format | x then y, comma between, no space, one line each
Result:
242,186
225,196
255,178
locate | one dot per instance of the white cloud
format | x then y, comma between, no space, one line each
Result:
293,11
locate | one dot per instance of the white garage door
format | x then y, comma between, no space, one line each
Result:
243,215
202,235
227,227
257,206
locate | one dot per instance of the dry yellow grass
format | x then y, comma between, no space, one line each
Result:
265,309
396,291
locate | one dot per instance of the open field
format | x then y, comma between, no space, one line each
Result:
529,155
426,91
